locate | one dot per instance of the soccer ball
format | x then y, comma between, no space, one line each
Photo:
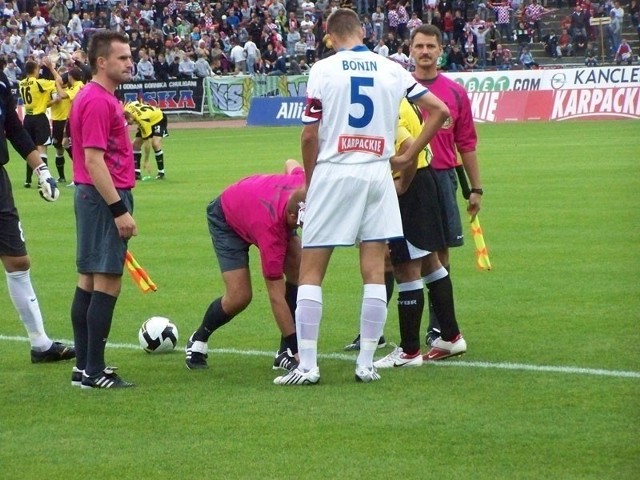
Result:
158,335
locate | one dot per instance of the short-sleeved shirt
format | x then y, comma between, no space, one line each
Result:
61,109
458,131
97,121
145,116
361,112
256,209
36,93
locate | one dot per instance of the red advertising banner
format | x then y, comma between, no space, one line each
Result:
580,93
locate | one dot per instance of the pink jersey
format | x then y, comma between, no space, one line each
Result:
256,209
97,121
458,132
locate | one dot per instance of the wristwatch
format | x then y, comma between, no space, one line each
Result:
479,191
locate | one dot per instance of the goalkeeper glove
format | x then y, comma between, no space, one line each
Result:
47,186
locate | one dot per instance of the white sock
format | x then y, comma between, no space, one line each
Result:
308,316
26,303
372,319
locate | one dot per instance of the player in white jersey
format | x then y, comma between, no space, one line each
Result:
347,143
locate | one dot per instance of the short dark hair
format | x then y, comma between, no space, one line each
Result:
76,74
428,30
31,67
100,46
343,23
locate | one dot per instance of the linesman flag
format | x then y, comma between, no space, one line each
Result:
482,254
138,274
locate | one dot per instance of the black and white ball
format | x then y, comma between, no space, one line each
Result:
158,335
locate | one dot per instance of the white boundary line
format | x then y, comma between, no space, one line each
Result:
448,363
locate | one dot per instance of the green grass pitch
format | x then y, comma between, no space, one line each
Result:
548,389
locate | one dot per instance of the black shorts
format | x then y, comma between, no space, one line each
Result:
11,236
232,251
447,182
421,220
100,249
58,128
38,128
157,130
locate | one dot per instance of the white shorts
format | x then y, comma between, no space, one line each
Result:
349,204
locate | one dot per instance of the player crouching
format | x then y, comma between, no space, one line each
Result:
152,124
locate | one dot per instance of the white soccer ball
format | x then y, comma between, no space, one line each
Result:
158,335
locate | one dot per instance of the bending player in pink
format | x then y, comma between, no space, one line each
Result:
260,210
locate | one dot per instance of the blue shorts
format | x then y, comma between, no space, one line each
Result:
447,183
100,248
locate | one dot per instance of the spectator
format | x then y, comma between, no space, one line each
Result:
550,41
145,67
70,44
503,18
565,44
310,54
280,65
400,57
300,49
623,53
58,13
578,22
269,58
237,57
381,48
307,24
38,24
13,73
470,62
186,66
161,68
591,55
526,59
202,67
455,59
377,19
74,27
252,53
292,38
413,23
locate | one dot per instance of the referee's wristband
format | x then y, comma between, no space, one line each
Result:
118,209
479,191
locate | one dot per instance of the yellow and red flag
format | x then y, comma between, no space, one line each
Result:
138,274
482,254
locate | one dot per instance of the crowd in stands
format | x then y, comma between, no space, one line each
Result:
185,39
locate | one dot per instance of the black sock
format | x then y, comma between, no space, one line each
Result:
99,317
159,160
389,281
441,294
434,324
290,342
29,174
60,165
137,157
68,150
410,307
214,318
79,308
291,297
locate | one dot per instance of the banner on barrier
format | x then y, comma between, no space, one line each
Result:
172,96
231,96
276,111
